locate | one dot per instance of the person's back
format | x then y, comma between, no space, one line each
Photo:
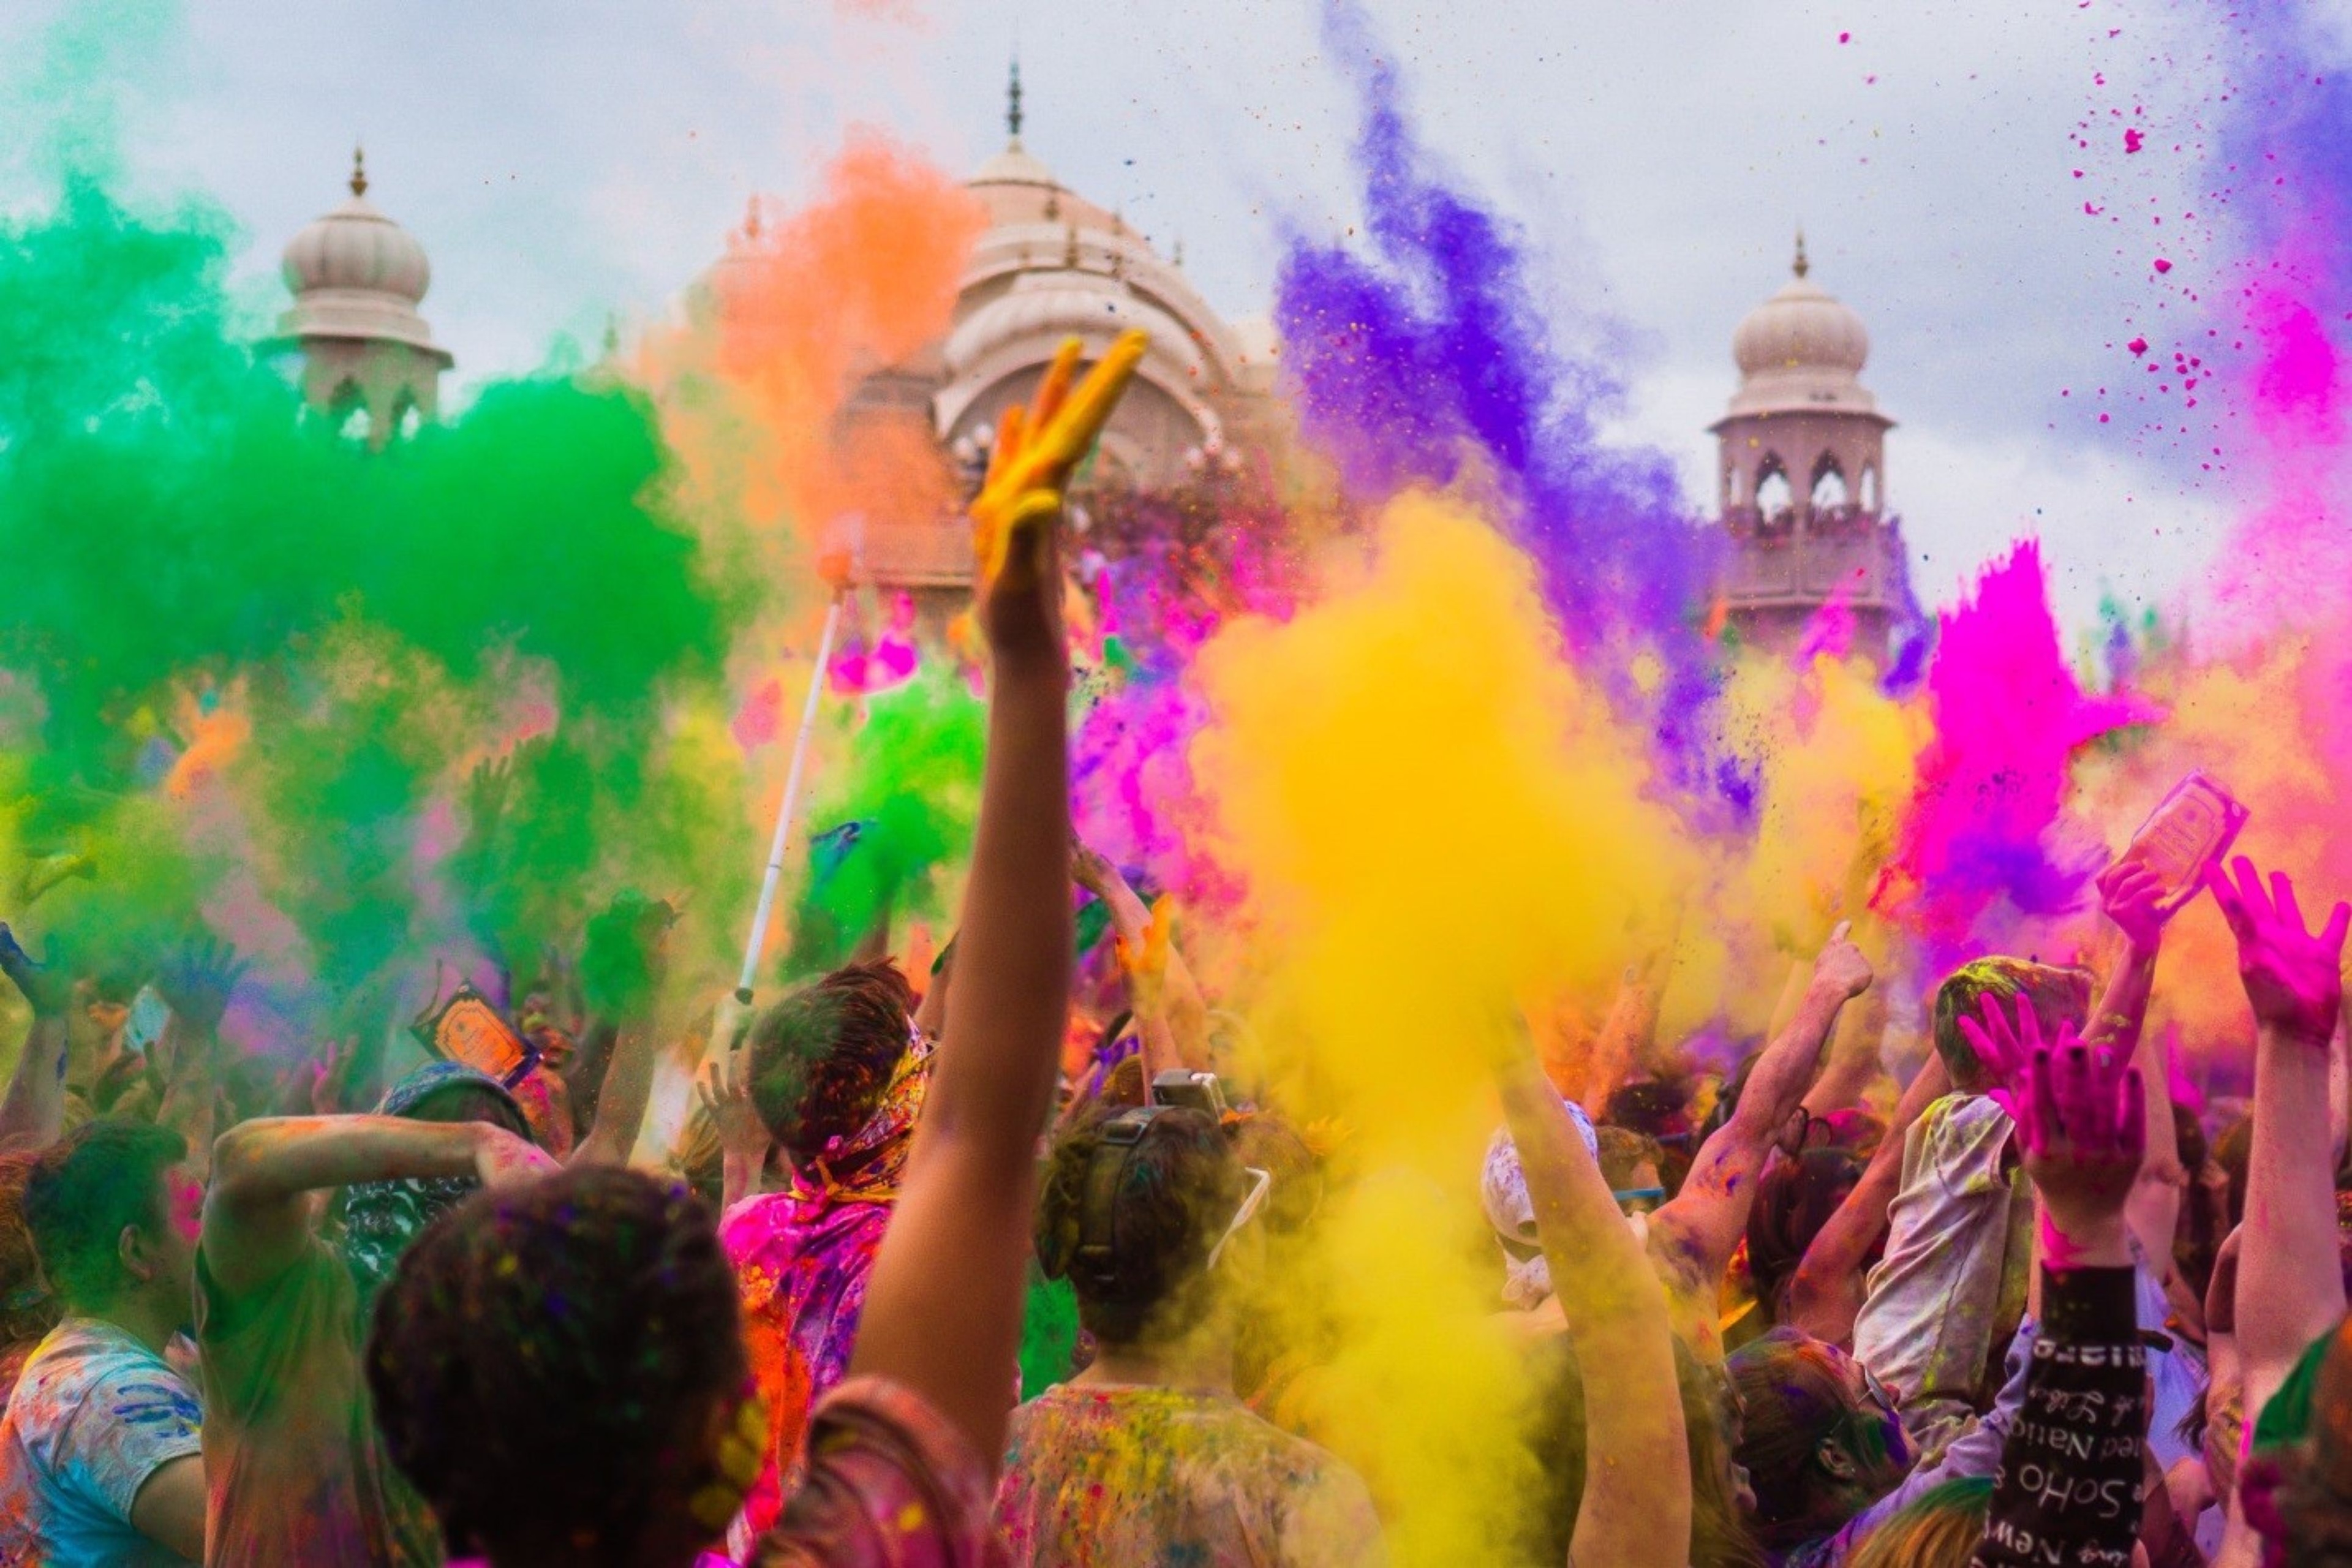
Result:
838,1072
1951,1281
1935,1300
298,1472
1105,1474
1147,1456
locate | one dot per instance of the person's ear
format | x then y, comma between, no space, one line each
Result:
1833,1457
137,1254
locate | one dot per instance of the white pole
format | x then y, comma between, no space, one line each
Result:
784,809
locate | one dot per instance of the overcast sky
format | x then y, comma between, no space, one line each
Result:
561,161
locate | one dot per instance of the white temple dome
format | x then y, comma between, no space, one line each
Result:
1015,166
1053,305
356,246
1803,348
356,276
1802,327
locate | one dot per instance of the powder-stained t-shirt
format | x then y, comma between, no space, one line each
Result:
297,1473
1111,1475
889,1483
94,1415
1936,1301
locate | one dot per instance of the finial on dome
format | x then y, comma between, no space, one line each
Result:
358,170
1179,258
1013,102
1800,266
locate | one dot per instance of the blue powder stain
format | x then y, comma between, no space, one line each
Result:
1429,360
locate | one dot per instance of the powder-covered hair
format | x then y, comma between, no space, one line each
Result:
1938,1529
1792,1395
547,1359
822,1056
2059,995
1182,1187
107,1175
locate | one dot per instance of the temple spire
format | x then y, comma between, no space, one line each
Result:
1800,266
359,171
1013,102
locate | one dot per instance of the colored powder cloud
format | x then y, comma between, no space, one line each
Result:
1435,817
1431,359
1978,843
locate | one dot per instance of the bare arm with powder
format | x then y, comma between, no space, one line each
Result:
2128,893
1695,1233
626,948
943,1305
34,1111
1636,1507
2290,1290
1170,1014
1825,1294
257,1213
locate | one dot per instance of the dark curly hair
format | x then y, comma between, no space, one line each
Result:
1180,1191
822,1057
548,1359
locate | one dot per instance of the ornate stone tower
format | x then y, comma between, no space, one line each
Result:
369,358
1803,475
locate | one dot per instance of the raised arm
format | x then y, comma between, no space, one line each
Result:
1825,1294
257,1213
1701,1225
621,971
1169,1012
34,1111
1636,1508
2290,1290
2082,1125
2129,893
1626,1033
944,1303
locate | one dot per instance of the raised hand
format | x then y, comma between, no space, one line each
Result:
47,987
2294,979
2131,895
1013,515
198,979
1842,965
2082,1125
724,1088
1145,958
626,950
2008,1051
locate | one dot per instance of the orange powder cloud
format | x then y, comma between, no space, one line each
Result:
756,388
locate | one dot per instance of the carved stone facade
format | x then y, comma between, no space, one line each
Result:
1803,476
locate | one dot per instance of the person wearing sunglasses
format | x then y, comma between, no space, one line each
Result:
1148,1456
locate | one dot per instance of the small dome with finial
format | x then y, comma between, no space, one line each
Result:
1800,347
357,248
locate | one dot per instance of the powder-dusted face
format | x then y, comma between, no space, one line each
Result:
183,1199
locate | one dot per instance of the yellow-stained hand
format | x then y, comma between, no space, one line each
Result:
1146,958
1036,449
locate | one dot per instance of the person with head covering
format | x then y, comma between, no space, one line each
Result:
838,1072
295,1466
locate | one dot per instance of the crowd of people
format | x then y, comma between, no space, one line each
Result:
919,1294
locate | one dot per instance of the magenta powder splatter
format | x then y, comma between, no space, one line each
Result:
1978,842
